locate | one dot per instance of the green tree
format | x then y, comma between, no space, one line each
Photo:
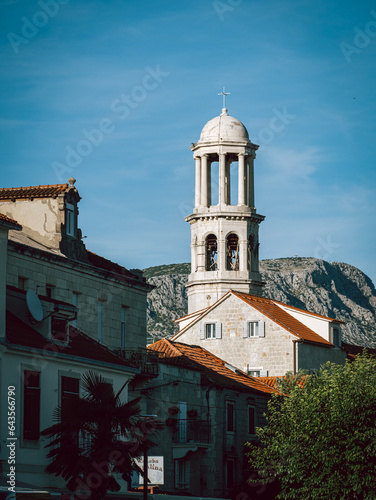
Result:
95,437
320,441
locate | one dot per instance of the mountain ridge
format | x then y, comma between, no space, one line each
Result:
337,290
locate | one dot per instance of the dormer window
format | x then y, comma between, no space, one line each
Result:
59,329
69,219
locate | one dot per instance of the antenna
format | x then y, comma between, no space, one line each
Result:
34,306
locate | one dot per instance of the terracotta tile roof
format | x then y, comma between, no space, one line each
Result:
271,309
309,312
272,381
212,368
48,191
11,223
276,313
19,333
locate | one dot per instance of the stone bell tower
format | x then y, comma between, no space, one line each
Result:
224,236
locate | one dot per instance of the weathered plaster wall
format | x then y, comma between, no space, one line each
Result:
40,218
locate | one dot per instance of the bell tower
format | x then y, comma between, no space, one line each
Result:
224,235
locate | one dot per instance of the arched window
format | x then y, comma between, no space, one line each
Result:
232,253
211,253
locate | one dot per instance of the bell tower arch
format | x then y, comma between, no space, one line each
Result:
224,235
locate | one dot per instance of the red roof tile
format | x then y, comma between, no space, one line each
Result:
271,309
48,191
212,368
21,334
11,223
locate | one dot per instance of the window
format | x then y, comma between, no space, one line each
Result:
22,282
31,406
251,420
69,219
70,391
254,373
49,291
59,328
123,326
210,331
232,254
252,329
335,337
230,416
211,253
182,470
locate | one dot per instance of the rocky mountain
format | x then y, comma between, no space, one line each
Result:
335,289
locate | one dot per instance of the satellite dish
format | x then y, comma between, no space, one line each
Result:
34,306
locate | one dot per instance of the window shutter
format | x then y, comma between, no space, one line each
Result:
202,331
263,373
245,329
218,330
261,328
176,473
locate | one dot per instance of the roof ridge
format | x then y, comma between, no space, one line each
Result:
34,187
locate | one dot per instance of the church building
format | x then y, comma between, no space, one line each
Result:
227,313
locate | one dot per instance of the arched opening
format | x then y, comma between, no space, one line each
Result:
232,253
211,253
253,247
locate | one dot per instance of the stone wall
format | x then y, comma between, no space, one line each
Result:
91,285
273,353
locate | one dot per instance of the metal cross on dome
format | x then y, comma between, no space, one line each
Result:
224,93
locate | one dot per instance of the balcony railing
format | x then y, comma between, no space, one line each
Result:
191,431
147,360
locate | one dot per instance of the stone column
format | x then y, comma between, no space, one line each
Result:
243,255
221,255
228,183
209,183
250,174
198,182
222,174
204,180
241,180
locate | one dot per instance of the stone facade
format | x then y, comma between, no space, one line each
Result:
224,235
268,355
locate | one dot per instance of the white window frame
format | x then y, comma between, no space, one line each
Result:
210,330
253,329
204,330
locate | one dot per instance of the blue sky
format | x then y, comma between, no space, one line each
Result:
141,80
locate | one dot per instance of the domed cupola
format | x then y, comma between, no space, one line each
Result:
224,128
224,244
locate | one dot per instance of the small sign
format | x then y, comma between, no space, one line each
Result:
155,470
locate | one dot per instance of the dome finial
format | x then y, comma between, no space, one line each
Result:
224,93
